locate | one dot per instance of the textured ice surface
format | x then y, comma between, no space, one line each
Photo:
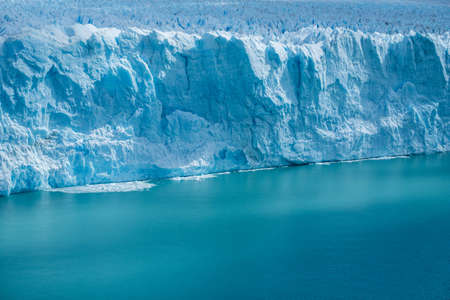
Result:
83,105
264,17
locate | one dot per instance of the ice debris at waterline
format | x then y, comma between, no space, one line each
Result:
83,105
131,186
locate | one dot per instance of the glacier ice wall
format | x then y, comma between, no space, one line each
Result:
82,105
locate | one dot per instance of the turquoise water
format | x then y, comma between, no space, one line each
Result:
363,230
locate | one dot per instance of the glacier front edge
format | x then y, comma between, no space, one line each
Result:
83,105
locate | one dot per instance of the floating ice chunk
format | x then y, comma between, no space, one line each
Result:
256,170
194,178
376,158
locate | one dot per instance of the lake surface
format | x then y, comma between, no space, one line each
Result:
376,229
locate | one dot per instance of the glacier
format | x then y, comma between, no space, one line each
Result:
83,105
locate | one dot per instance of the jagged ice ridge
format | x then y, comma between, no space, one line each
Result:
268,18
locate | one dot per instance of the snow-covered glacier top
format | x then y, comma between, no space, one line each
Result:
263,17
84,104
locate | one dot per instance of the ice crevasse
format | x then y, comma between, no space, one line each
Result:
82,105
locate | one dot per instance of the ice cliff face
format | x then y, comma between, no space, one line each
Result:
85,105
